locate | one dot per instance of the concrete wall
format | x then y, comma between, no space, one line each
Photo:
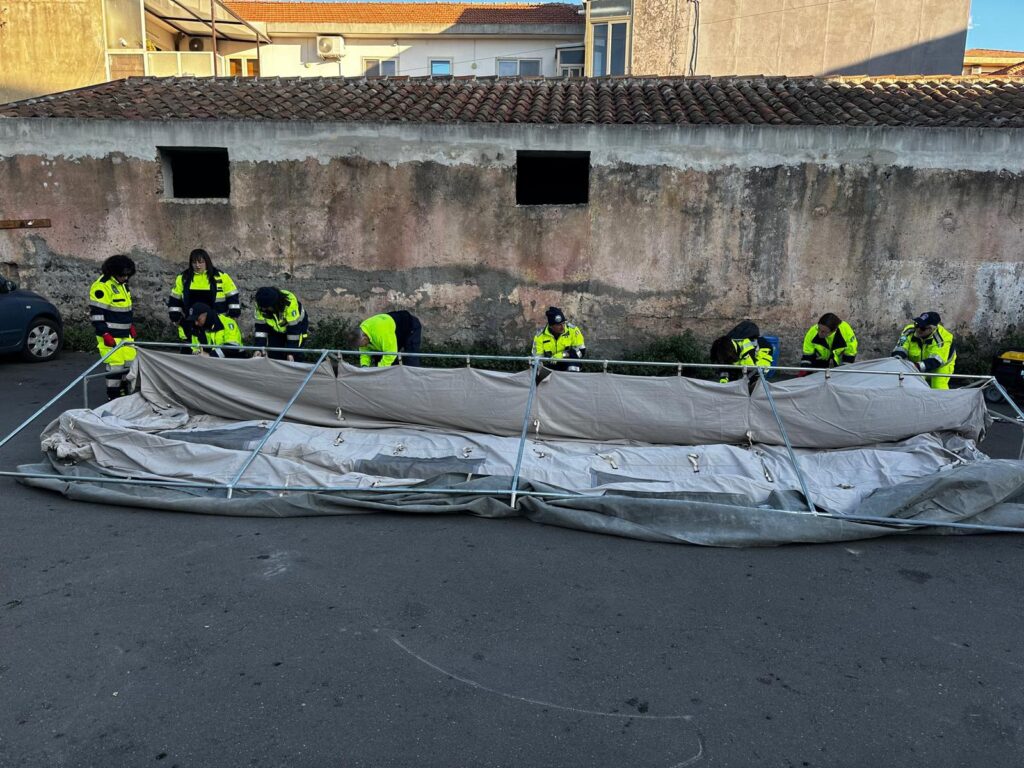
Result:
686,227
780,37
50,45
297,56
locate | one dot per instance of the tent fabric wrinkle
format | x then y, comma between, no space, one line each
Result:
668,459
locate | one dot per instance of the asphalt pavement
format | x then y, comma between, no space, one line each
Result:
132,637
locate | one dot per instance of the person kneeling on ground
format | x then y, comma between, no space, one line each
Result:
206,328
829,343
280,322
559,341
391,332
743,345
930,347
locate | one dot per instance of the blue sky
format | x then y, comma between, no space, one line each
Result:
997,24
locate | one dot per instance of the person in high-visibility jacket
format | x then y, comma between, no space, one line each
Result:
207,328
281,321
202,283
390,332
829,343
110,311
930,347
743,345
559,341
727,351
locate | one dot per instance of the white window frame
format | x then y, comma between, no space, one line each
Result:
498,61
451,66
571,70
610,22
380,60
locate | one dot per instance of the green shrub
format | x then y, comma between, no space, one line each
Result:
479,348
681,348
974,352
332,333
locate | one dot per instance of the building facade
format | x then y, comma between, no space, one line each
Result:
55,45
643,207
775,37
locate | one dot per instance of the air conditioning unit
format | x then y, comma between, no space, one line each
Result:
196,44
330,46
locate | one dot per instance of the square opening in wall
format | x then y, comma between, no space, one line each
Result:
196,172
552,178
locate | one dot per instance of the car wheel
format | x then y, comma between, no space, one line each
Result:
42,342
992,395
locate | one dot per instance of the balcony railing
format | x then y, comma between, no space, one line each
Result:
164,64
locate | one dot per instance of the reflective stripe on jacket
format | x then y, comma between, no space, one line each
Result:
748,353
222,331
293,324
195,288
937,353
545,342
110,308
838,347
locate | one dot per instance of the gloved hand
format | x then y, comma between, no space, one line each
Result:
132,332
109,340
259,353
290,358
548,355
920,367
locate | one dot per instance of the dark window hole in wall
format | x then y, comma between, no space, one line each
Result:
552,178
196,172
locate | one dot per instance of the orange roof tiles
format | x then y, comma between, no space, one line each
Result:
274,11
1014,70
993,53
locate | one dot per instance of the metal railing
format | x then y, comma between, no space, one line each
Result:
512,492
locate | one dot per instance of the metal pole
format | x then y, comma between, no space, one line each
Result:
213,31
1020,414
785,439
277,422
526,426
59,395
915,523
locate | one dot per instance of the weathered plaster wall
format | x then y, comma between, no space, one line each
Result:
686,227
50,45
780,37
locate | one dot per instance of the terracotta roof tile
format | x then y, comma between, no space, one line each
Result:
1014,70
273,11
993,53
962,102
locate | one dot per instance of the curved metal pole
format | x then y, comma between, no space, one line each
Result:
785,439
534,368
60,394
1012,404
277,422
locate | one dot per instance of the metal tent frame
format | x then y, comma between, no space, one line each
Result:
513,492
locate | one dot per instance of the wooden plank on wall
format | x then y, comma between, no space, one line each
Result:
24,223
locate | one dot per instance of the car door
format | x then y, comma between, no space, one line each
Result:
12,317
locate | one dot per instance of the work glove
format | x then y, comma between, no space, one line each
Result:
920,367
109,340
132,332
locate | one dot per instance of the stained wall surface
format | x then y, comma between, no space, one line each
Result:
781,37
50,45
686,228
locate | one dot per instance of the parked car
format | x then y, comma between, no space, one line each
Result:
29,324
